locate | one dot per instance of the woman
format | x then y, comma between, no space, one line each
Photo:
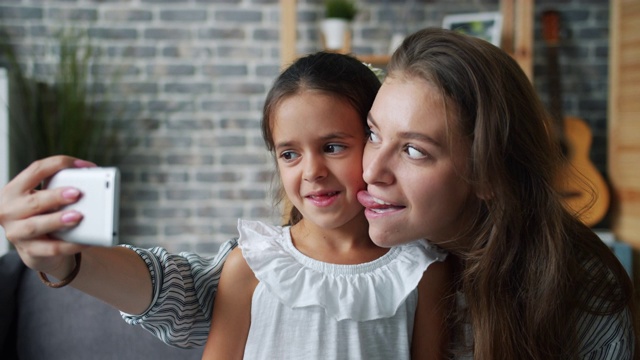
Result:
460,154
458,116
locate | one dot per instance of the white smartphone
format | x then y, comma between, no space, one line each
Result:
99,204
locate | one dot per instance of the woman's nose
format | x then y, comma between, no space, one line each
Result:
376,167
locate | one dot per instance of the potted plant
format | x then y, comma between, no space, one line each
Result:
335,25
63,116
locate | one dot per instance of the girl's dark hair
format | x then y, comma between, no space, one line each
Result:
333,74
532,270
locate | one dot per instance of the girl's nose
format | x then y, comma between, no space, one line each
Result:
314,169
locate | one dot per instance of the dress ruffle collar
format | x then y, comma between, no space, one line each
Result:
359,292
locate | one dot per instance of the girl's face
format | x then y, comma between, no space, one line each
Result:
319,141
414,174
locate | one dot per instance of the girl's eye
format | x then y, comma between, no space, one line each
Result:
334,148
414,153
373,138
289,155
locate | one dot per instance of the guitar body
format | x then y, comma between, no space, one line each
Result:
582,186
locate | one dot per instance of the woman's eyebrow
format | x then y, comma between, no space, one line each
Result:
420,137
410,135
370,118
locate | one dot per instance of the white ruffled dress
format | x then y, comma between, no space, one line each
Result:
307,309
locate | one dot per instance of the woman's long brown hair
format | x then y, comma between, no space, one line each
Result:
529,269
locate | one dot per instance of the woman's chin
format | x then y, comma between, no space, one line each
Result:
387,240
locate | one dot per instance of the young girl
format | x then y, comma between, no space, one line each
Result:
319,288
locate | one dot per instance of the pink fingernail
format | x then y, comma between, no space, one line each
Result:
71,193
83,163
71,217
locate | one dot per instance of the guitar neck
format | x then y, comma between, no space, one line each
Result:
555,93
551,34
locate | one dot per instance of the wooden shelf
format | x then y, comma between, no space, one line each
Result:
288,37
517,34
374,59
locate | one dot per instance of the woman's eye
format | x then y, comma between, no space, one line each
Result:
334,148
288,155
414,153
373,137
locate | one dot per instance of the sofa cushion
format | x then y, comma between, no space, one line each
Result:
11,270
68,324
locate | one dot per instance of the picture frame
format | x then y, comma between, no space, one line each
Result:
485,25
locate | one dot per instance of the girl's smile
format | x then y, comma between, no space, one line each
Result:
322,198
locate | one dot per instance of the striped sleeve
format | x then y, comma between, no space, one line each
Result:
606,337
184,287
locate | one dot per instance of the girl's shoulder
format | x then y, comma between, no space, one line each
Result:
236,270
257,234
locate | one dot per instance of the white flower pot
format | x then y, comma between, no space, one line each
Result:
396,40
335,31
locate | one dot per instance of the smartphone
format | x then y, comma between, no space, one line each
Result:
99,204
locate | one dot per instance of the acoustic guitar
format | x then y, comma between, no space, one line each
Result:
582,186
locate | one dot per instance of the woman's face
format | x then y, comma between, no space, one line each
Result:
414,174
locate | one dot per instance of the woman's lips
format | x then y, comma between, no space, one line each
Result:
376,205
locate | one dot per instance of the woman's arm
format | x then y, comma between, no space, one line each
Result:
117,276
431,329
607,336
184,288
232,312
152,288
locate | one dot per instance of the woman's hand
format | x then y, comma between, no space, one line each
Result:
29,215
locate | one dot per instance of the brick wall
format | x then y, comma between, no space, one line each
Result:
193,75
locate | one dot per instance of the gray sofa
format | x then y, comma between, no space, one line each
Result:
37,322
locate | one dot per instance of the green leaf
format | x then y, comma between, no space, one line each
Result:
342,9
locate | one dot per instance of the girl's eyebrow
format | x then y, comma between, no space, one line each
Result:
337,135
410,135
327,137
